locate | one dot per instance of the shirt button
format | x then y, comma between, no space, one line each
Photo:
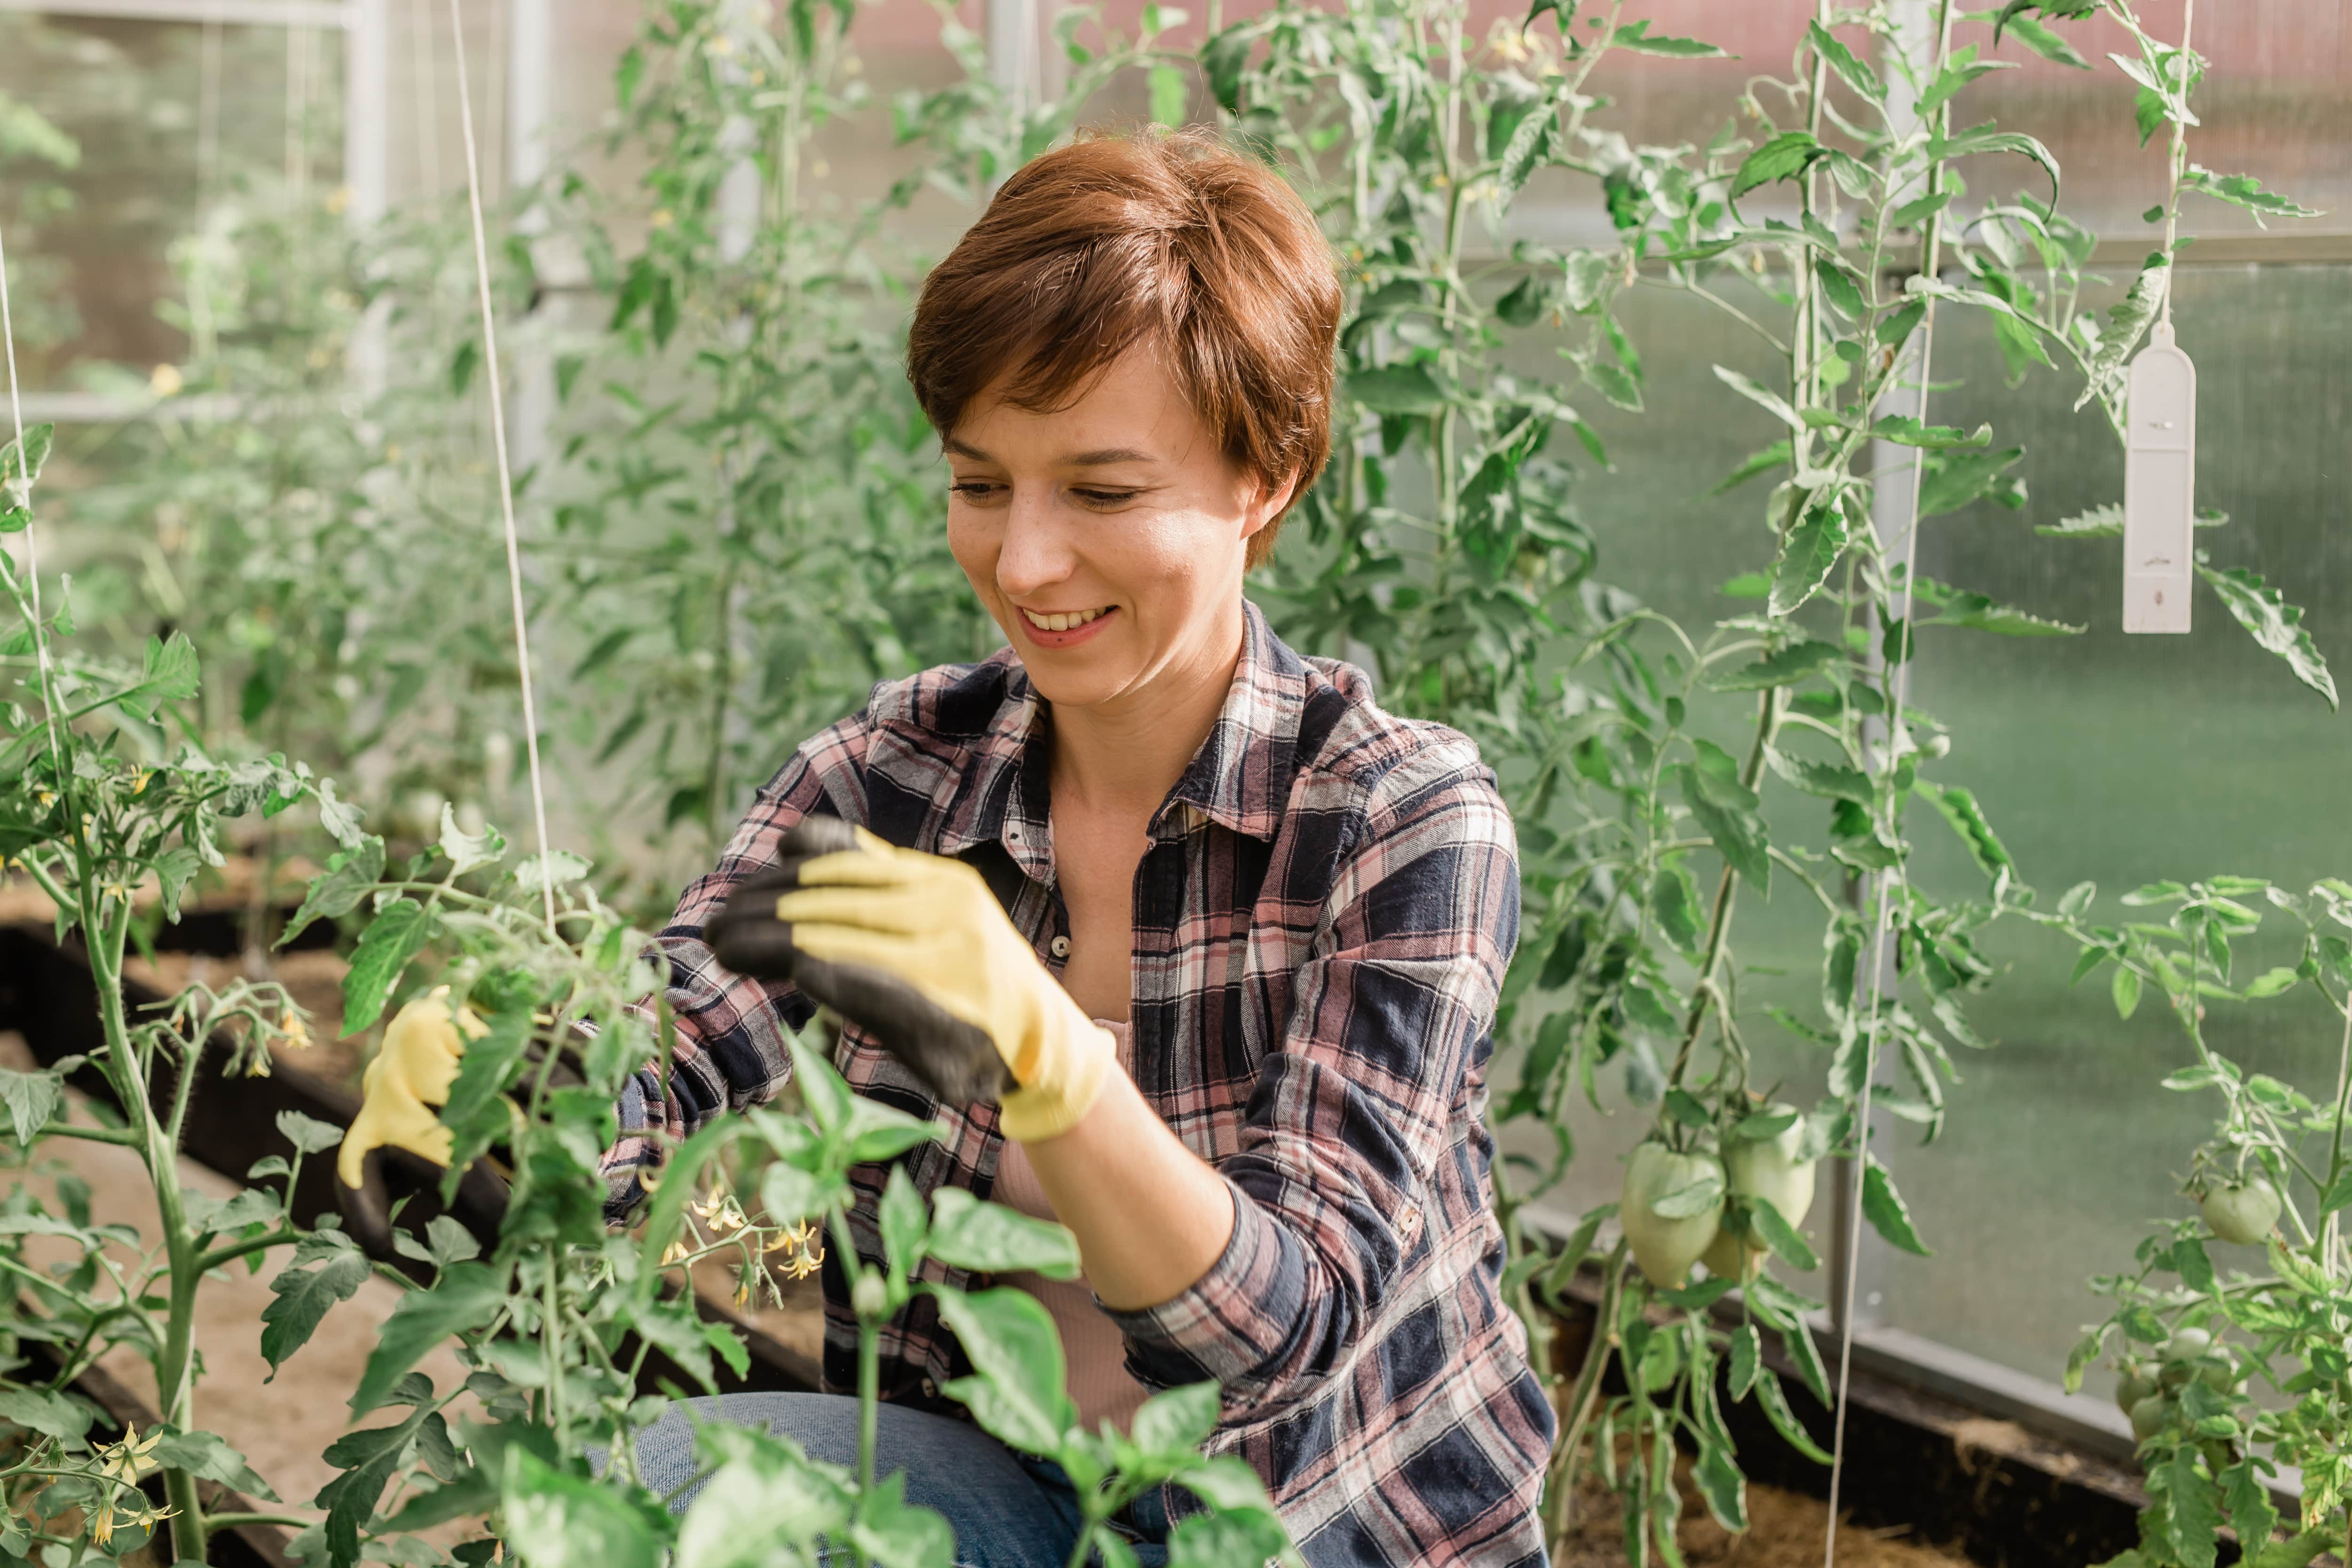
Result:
1061,946
930,1389
1410,1221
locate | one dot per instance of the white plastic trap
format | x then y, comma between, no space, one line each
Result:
2159,486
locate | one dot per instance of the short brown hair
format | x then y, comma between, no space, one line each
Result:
1117,240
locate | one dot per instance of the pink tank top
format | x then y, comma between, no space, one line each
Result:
1100,1385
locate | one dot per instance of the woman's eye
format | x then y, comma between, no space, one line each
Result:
977,489
1105,498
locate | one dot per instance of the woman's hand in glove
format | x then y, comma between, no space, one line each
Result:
915,949
410,1075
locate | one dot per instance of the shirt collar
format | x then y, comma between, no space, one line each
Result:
1239,779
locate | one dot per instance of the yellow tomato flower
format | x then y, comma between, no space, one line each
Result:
410,1074
297,1034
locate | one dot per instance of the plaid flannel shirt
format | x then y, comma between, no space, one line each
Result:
1322,921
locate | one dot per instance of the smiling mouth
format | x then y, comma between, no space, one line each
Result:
1068,622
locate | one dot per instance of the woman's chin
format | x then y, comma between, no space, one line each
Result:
1067,682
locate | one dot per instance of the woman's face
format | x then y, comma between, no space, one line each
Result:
1107,538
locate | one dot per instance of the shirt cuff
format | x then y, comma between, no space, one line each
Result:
1234,1323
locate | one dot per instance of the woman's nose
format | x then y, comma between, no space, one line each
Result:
1036,552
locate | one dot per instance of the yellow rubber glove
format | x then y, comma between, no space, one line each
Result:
914,948
410,1075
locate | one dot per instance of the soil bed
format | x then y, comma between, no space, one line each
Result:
1786,1530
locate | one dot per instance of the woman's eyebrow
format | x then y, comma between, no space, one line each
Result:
1100,458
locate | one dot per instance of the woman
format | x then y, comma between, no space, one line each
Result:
1221,937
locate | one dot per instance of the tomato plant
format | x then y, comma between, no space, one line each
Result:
100,800
2230,1374
1826,219
554,1316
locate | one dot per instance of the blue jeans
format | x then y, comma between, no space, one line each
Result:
1008,1510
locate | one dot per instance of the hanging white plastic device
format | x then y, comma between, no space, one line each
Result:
2159,486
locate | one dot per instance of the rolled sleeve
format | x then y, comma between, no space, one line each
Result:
1348,1120
1233,1321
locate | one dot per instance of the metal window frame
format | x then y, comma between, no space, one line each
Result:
325,14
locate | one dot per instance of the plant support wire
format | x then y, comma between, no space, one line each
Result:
506,477
21,490
1895,876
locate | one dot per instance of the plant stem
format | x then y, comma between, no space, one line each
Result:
1562,1482
2335,1141
175,1362
231,1520
552,1332
869,1398
1718,926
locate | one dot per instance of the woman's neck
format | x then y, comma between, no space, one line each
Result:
1124,756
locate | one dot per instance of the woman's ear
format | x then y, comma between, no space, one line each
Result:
1267,501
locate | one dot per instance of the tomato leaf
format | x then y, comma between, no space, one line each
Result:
2191,1516
303,1296
990,1238
1636,36
1958,807
1724,1488
1016,1392
2246,1496
1885,1210
1174,1423
1778,1234
1784,666
1397,389
1774,1401
20,469
1728,809
338,889
1797,1342
1746,1359
2339,1193
2125,990
397,935
1903,430
1808,552
1784,157
557,1520
466,1297
2244,191
2273,624
2032,35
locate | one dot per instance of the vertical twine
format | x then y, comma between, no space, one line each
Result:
1889,880
506,477
32,544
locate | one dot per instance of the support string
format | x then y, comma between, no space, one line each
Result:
506,477
24,498
1890,880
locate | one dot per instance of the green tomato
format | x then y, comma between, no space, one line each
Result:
1664,1246
2181,1353
2150,1416
1729,1258
2218,1375
2131,1388
2242,1214
1770,1169
870,1297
